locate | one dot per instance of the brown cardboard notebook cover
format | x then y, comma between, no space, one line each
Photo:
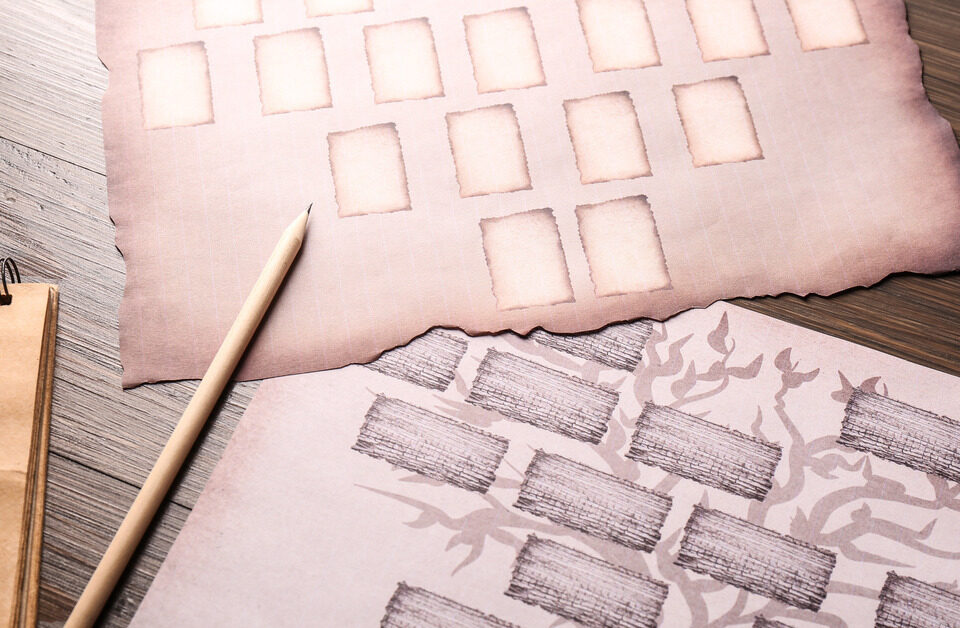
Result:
28,330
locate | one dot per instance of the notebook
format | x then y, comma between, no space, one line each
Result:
28,327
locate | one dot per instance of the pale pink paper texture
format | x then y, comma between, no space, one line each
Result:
859,177
295,527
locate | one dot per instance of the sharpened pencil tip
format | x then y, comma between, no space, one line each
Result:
309,207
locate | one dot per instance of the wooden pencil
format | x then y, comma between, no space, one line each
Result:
185,434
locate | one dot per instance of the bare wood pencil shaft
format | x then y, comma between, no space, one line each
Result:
184,435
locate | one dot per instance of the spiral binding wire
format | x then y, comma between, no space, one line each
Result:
8,266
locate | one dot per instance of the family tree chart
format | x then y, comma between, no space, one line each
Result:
737,471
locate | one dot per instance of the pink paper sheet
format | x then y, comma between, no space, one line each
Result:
818,488
554,164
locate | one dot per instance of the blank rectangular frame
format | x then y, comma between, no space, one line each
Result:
622,246
727,29
403,60
216,13
292,71
827,23
369,176
526,261
175,86
504,51
618,34
606,137
488,151
717,122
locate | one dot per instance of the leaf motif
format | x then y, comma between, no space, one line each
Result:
713,373
717,338
749,371
799,524
683,385
846,389
474,554
782,361
674,362
421,479
425,520
826,475
794,379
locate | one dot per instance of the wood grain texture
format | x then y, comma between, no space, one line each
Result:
53,217
83,509
51,79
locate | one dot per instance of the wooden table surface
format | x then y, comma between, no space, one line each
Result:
53,217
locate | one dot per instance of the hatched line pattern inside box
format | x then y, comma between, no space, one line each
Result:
566,582
526,257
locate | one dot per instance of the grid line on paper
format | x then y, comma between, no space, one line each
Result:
773,146
855,166
836,171
811,181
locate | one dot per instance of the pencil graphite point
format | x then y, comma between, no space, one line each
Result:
309,207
